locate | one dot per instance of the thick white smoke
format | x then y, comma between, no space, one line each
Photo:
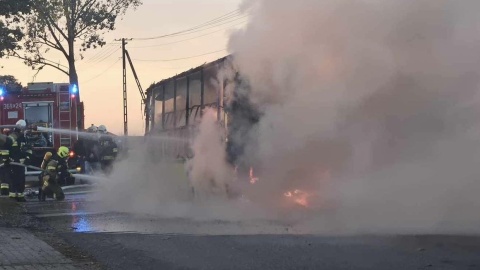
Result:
148,183
209,172
143,184
381,96
371,107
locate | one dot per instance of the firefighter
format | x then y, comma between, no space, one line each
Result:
5,143
108,150
81,149
19,153
56,172
88,149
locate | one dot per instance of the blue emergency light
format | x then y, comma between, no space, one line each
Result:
2,90
74,89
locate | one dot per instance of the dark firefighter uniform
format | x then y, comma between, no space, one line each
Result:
5,145
108,151
79,150
56,172
87,150
19,153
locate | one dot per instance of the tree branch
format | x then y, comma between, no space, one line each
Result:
49,43
49,20
40,62
80,31
36,73
51,25
115,7
54,63
52,22
61,48
81,10
64,24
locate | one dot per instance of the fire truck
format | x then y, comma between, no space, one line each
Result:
54,106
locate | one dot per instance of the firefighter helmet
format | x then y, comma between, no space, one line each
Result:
102,129
21,124
63,152
92,129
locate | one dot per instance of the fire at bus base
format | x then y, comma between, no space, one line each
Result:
367,107
211,133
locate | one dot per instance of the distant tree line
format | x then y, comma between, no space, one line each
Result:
11,83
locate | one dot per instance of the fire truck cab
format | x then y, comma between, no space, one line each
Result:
56,106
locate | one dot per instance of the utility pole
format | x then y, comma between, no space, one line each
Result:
142,94
125,103
125,56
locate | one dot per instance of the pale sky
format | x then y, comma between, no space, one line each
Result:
100,73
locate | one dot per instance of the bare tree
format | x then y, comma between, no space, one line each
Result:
70,27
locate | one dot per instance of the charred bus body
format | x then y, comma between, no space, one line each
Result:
176,104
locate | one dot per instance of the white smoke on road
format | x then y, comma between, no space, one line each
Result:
147,182
141,184
382,96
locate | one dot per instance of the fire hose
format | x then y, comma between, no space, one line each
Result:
23,165
84,177
80,177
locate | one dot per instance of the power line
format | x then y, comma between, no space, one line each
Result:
192,31
172,68
100,59
104,50
212,23
54,63
179,41
234,13
200,30
100,74
103,53
177,59
223,17
215,21
99,52
107,56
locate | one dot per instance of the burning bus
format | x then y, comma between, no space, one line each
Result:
176,104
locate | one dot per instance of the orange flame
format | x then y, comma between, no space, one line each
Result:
298,196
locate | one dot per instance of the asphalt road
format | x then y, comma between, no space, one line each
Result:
125,241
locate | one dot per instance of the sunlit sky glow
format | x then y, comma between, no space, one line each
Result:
100,72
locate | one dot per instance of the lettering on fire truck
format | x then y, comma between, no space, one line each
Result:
12,106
